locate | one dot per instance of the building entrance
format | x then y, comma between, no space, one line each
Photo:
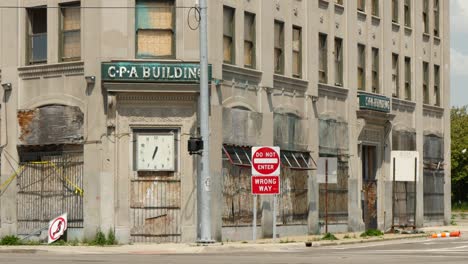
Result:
369,186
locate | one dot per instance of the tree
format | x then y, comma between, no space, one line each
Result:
459,135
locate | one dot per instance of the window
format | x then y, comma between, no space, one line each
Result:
249,40
375,70
408,13
436,18
361,5
361,68
297,52
279,47
437,85
340,2
155,29
375,8
395,76
395,11
37,35
425,83
323,62
426,16
338,62
296,160
70,38
407,78
228,34
239,156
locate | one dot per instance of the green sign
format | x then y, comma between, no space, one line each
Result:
152,72
374,102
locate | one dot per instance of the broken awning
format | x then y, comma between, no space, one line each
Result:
295,160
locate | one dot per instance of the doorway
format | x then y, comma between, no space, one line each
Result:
369,186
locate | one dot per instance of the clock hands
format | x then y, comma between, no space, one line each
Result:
155,150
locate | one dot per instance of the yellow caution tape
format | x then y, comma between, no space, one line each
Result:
12,177
78,190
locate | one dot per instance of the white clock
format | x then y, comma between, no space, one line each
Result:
155,152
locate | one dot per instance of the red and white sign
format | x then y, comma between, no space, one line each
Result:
265,161
57,227
262,185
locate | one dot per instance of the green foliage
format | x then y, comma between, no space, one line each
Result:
372,233
347,236
459,154
99,239
10,241
111,240
329,236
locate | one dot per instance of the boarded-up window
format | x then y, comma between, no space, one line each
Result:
403,141
433,148
338,62
249,40
37,35
361,69
228,35
395,75
297,52
155,28
323,60
241,127
71,32
375,70
279,47
289,132
333,137
407,78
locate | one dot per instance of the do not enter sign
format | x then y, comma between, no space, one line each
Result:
265,161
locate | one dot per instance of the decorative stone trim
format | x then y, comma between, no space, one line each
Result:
51,70
151,98
400,104
323,4
331,90
289,84
240,74
433,110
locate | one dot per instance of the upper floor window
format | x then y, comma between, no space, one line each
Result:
361,5
37,35
408,13
407,78
323,58
228,35
436,18
425,83
375,70
395,11
70,33
375,8
437,84
395,75
155,29
340,2
425,16
279,47
297,52
338,62
361,67
249,40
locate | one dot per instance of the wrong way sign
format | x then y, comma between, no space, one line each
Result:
57,227
265,161
263,185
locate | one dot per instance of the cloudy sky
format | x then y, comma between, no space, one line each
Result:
459,52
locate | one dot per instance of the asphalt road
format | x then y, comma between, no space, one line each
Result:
401,252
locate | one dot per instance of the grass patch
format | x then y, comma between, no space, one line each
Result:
463,216
10,241
329,236
452,222
372,233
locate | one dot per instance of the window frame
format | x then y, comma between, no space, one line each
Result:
395,75
30,35
361,66
375,70
323,58
425,76
339,62
299,52
436,10
407,13
252,41
425,16
437,85
361,6
408,88
375,8
395,12
172,30
233,34
279,48
75,4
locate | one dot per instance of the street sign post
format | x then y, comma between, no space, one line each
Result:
265,179
57,227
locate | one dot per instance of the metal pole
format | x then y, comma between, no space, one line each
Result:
415,188
393,196
326,196
204,181
254,224
274,217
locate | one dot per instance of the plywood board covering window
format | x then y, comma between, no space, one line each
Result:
155,28
279,47
37,35
249,40
297,52
228,35
71,32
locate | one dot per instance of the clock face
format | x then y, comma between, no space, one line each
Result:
155,152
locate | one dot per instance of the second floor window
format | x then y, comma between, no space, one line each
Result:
395,75
279,47
425,83
361,5
323,60
37,35
338,62
297,52
408,78
408,13
375,8
70,38
249,40
437,85
436,18
425,16
361,68
395,11
375,71
155,29
228,35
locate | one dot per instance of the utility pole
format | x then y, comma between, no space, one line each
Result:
204,179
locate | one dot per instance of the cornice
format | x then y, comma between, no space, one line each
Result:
51,70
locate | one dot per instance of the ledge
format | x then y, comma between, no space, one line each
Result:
408,30
337,91
437,40
376,19
426,36
51,70
339,8
400,104
231,72
323,4
431,109
396,26
361,15
289,83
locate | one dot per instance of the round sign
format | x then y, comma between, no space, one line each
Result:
57,228
265,161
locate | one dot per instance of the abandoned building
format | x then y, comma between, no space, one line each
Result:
101,97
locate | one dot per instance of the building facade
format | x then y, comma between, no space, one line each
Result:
101,97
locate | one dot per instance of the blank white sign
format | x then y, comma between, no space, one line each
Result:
404,169
332,170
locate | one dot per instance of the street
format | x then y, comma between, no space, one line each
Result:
453,250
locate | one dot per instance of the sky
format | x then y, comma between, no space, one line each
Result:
459,52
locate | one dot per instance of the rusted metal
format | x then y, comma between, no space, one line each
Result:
54,124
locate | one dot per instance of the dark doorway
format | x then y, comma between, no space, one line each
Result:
369,186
